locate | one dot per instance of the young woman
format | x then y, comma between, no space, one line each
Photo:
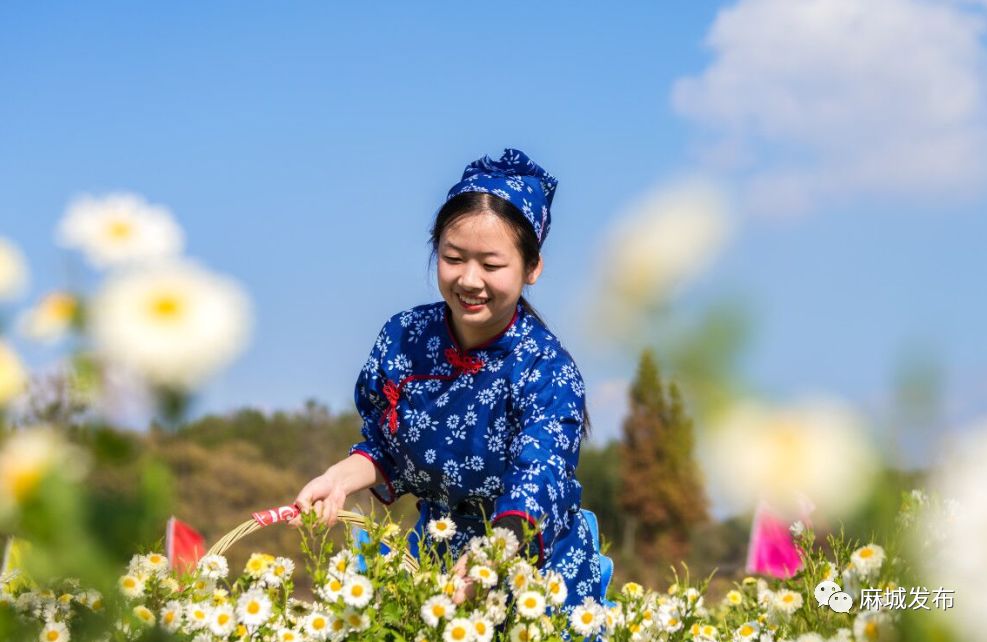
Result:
471,403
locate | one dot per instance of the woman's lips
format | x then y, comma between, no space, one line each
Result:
472,307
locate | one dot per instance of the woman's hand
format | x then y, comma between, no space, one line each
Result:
468,589
325,494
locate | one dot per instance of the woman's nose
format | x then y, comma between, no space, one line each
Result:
470,277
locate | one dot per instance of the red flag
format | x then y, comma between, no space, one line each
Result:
184,545
771,550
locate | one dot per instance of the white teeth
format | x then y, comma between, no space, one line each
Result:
468,301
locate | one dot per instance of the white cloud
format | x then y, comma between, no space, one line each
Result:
815,99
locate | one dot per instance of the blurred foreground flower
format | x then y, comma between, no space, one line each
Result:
12,376
120,229
13,270
816,449
666,242
950,544
28,456
51,319
175,323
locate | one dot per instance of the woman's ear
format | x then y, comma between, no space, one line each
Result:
535,272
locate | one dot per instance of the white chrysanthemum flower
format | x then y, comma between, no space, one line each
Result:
214,567
747,631
441,529
120,229
734,598
458,630
867,560
786,454
222,620
131,586
525,632
288,635
704,632
587,618
342,564
197,614
31,454
531,604
358,591
257,565
331,591
436,608
54,632
156,564
51,318
319,625
448,584
171,616
786,601
873,626
13,378
279,571
670,618
253,608
810,637
483,628
485,575
478,548
176,324
555,588
145,615
632,589
355,620
506,540
520,576
662,245
13,271
496,606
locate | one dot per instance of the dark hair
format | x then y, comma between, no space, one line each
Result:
467,203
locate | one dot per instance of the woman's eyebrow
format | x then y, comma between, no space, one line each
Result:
456,248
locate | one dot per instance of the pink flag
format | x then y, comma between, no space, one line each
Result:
184,545
772,550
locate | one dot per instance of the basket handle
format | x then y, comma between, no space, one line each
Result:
275,515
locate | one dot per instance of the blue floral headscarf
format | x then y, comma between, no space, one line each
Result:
516,179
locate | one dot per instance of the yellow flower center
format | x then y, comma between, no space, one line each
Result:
169,617
587,618
223,618
335,585
168,307
253,608
356,591
440,526
531,603
337,625
318,623
119,230
480,627
129,583
865,553
746,630
870,630
438,610
53,635
458,633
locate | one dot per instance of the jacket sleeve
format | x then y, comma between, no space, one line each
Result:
540,480
371,404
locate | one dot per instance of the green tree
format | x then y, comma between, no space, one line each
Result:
661,492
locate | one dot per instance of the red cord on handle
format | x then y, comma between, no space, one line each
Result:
275,515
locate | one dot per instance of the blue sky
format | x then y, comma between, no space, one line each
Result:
304,151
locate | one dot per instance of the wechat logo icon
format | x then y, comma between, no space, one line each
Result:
830,594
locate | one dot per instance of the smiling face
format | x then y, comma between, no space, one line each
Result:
481,274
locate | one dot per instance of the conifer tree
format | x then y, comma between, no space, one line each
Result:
661,489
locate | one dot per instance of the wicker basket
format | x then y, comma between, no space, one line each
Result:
264,518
